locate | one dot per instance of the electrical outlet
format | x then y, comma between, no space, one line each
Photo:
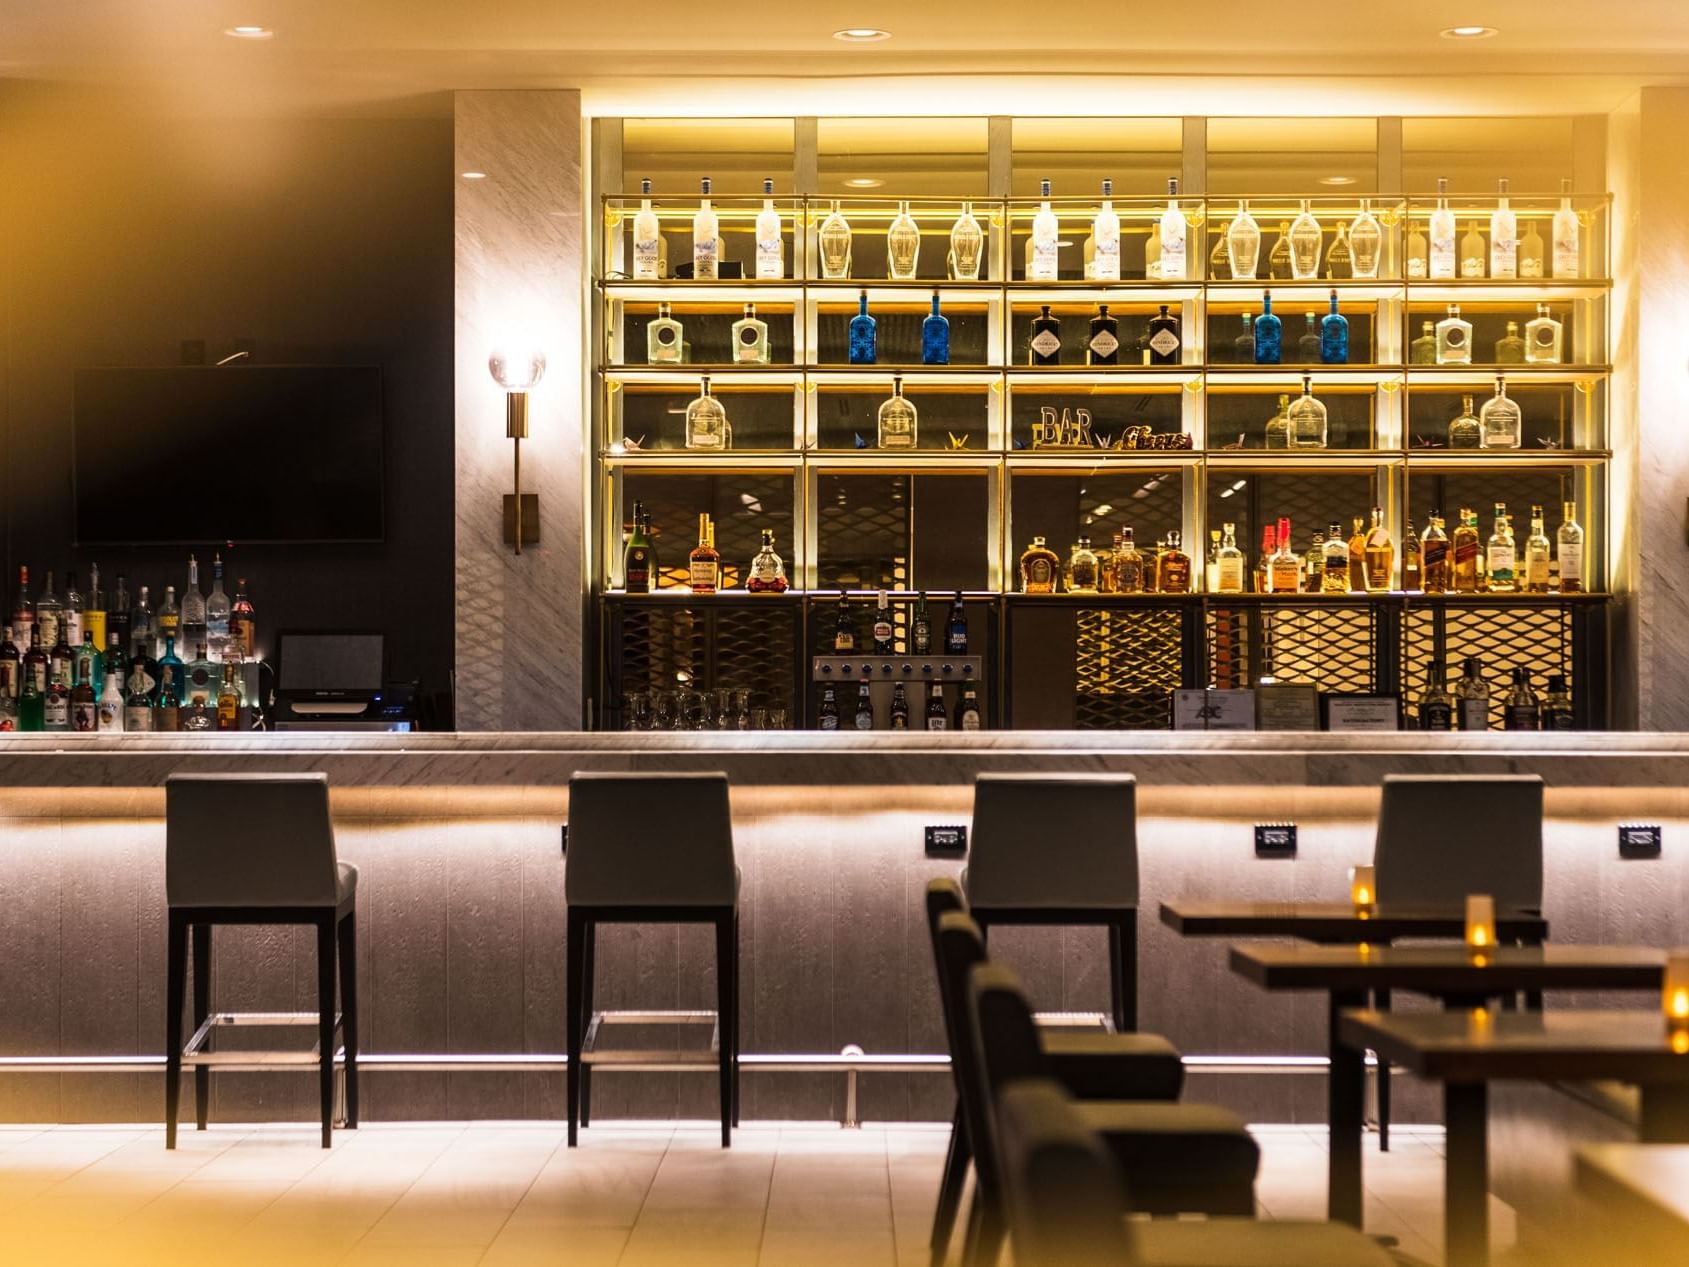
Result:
1275,840
1639,840
946,842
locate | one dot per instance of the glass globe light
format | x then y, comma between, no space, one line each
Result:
516,369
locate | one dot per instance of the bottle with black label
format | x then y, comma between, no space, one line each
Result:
864,706
884,630
1045,348
844,627
1474,696
1104,345
1522,711
899,707
1164,338
1557,706
827,715
967,711
637,558
956,637
937,718
920,629
1436,708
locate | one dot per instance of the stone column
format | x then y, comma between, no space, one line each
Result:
520,255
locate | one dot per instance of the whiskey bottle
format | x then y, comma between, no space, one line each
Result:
1499,420
864,719
844,627
1045,232
1424,349
1278,259
1570,551
1340,259
1434,556
1228,572
703,564
1045,345
1210,566
1472,252
1380,554
750,338
920,628
1243,245
1173,236
967,708
1465,431
1263,561
193,608
637,566
34,663
1510,348
231,697
84,708
60,660
1454,339
1164,338
706,422
243,616
967,243
48,609
1313,564
1531,253
935,336
1284,569
137,704
864,334
1306,238
1499,556
1567,256
1128,566
1473,694
1436,708
1538,555
956,634
1039,568
1103,347
1366,243
1278,426
1173,572
885,631
1442,228
1542,338
1468,563
768,572
646,236
1308,345
827,712
937,719
771,246
1357,557
1334,336
1082,568
903,245
897,419
1108,566
1413,581
217,610
1504,237
899,707
1268,331
1522,711
1105,239
1334,563
11,666
1557,705
1307,419
109,713
833,242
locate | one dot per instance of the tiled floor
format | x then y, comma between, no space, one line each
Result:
510,1195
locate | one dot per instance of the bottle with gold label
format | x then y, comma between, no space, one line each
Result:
1413,581
1128,566
1537,555
1501,562
1082,568
1039,568
1434,557
1175,568
704,563
1468,563
1357,557
1284,569
1313,563
1334,562
1108,568
1572,579
1380,555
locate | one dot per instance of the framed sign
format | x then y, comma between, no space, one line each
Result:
1213,710
1287,706
1344,713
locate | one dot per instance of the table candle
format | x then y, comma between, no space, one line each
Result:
1363,887
1480,921
1675,997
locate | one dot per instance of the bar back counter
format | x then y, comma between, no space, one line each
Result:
459,844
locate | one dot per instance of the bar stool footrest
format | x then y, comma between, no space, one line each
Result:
195,1055
671,1059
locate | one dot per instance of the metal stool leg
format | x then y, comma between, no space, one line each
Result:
202,1009
734,982
1123,970
175,988
725,969
325,1022
589,978
575,961
347,937
1381,1000
949,1191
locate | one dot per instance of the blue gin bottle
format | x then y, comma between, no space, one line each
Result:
1334,336
863,334
935,337
1269,333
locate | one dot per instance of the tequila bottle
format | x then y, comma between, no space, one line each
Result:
217,609
1569,547
1268,331
750,338
703,564
1531,252
1308,344
967,246
1340,259
1306,238
1039,568
1468,565
1436,705
1307,419
1334,336
897,419
903,245
1380,555
1424,348
1174,568
1173,236
1504,236
1442,257
1278,426
1500,559
1278,259
1454,339
1243,245
1082,568
1284,569
706,422
1472,252
935,336
665,339
1243,345
647,238
1366,243
231,697
1164,338
1334,561
1105,239
1542,338
1418,253
768,570
864,334
706,238
1465,431
1510,348
1500,420
1103,348
1228,570
833,242
771,243
1045,231
1045,345
1538,555
1567,255
1434,556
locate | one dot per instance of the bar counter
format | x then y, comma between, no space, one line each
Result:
460,905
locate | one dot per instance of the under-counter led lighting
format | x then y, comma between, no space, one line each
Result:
249,32
1337,180
1469,32
861,34
475,175
864,182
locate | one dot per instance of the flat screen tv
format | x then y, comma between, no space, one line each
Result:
245,454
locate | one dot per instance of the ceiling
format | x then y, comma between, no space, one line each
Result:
1215,57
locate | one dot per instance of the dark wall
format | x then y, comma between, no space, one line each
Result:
320,241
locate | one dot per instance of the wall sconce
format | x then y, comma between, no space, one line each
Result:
517,370
1480,921
1675,996
1363,888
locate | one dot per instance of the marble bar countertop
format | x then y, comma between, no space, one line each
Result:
797,758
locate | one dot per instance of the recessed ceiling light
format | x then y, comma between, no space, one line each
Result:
475,175
861,34
249,32
1469,32
864,182
1337,180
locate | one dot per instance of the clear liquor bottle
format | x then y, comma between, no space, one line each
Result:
1380,555
1306,239
1228,563
1340,259
967,246
1334,335
903,245
1278,259
1307,419
1424,349
1539,554
1531,253
1442,257
1417,252
1243,245
1436,705
768,571
1454,339
1568,255
1082,568
1334,561
897,419
647,237
1039,568
1434,556
1243,344
665,338
1277,434
1173,236
193,608
1500,419
771,240
1510,348
1569,548
55,704
864,334
1284,569
750,338
833,243
143,631
137,704
1500,557
217,609
1504,236
48,610
1308,344
1472,695
706,422
706,235
1472,252
1103,347
1366,243
71,617
1219,267
1465,431
1543,336
1522,711
1046,230
1269,333
1105,239
935,336
201,680
169,619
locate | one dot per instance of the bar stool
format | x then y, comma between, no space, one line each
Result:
650,849
1061,850
256,849
1443,836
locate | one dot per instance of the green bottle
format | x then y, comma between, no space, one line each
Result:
32,705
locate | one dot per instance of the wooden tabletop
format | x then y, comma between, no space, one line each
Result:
1469,1045
1449,970
1338,921
1645,1185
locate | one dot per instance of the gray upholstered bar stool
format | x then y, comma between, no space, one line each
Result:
256,849
1061,850
1443,836
650,849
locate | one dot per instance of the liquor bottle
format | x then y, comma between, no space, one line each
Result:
1045,232
1510,348
1538,555
11,666
1357,557
23,615
937,719
85,662
1334,563
1472,252
1340,259
118,615
84,711
137,704
864,334
844,627
1569,548
1306,238
61,660
956,634
1412,576
1436,708
1039,568
1152,252
1173,570
920,628
1219,266
1103,347
1210,566
1313,563
637,570
144,631
217,609
48,609
1164,338
199,692
231,697
903,245
1307,419
1442,228
1523,711
1417,252
897,419
703,564
935,336
1228,569
1173,236
706,421
1465,431
967,708
109,714
169,660
1567,255
899,707
827,712
1268,332
1473,694
32,701
1278,259
243,616
1105,239
1542,338
1044,347
193,608
34,663
1500,419
750,338
1128,566
771,243
1082,568
1366,243
1284,569
71,616
1468,565
834,245
1263,561
1243,345
885,631
1278,426
1434,556
114,660
168,622
1380,555
967,246
1499,557
1243,245
864,719
1454,339
1531,253
647,235
1557,705
1504,237
706,232
1334,336
768,572
55,705
1308,344
1424,348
